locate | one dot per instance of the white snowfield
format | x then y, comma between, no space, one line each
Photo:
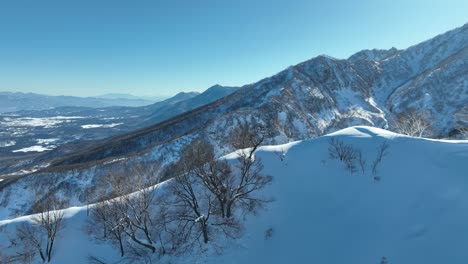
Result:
101,125
35,149
46,122
416,212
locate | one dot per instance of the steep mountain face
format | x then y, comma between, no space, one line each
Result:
431,76
310,99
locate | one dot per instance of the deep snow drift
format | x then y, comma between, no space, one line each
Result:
415,212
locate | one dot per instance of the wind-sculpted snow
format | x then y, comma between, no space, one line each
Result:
416,212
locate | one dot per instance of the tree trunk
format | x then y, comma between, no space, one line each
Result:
49,254
122,252
47,249
221,203
205,232
41,254
229,209
148,246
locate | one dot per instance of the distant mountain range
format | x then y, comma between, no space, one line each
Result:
12,102
23,132
132,97
310,99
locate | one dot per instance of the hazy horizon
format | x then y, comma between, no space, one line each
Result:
142,96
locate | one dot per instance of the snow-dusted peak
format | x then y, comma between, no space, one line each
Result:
318,60
215,92
374,54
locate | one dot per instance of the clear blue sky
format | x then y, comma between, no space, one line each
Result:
91,47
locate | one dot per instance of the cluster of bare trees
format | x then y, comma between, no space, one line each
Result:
352,158
210,196
463,133
462,117
417,124
38,236
347,154
414,124
127,219
206,198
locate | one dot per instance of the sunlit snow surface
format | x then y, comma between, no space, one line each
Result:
46,122
8,143
35,149
46,140
416,213
101,125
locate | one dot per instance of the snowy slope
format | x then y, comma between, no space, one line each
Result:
416,213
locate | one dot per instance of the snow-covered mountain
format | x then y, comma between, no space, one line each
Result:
158,113
307,100
414,209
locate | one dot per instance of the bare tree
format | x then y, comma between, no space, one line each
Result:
198,159
106,218
45,226
382,151
232,189
383,260
88,196
194,203
128,215
50,220
362,162
413,124
207,192
251,180
26,243
269,233
192,210
137,218
337,149
347,154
